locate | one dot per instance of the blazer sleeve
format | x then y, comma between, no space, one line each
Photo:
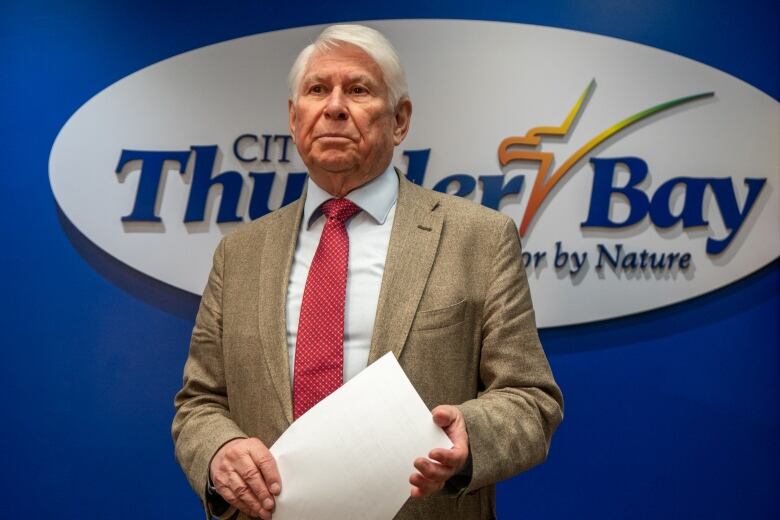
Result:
202,422
511,421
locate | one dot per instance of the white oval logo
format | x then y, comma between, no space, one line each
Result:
638,178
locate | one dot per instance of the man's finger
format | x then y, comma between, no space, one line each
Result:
423,486
250,474
444,415
244,498
433,471
442,456
265,462
453,458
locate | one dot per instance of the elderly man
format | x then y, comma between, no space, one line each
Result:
364,263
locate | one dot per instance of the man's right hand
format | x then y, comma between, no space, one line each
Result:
244,473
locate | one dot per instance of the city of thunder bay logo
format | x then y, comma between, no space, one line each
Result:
606,191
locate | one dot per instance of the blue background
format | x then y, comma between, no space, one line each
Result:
669,414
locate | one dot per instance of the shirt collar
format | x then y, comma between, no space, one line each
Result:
376,197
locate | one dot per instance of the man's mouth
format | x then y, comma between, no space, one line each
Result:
333,137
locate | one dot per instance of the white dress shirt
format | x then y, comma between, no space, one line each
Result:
369,237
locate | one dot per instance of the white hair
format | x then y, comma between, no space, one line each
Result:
369,40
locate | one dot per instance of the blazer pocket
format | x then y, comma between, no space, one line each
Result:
440,318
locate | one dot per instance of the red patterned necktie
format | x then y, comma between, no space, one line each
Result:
319,348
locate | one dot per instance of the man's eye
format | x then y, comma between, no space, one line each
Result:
316,89
359,90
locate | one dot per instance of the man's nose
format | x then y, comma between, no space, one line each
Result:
336,107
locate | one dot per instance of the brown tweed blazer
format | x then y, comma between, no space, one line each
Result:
454,308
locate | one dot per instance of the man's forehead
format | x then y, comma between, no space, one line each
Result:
315,76
346,58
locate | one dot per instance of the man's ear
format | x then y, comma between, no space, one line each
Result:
291,113
403,116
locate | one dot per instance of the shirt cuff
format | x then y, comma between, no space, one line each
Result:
217,504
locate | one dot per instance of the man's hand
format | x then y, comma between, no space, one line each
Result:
244,473
444,463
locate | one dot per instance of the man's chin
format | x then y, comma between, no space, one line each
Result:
336,166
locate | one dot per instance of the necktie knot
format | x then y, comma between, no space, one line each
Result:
340,210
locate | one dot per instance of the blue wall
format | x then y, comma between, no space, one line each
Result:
672,413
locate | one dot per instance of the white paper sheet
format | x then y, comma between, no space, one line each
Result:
350,456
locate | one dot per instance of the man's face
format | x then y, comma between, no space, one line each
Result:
342,122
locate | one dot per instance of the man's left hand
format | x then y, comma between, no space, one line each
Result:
443,464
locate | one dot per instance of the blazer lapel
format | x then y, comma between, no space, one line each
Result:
414,241
277,254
